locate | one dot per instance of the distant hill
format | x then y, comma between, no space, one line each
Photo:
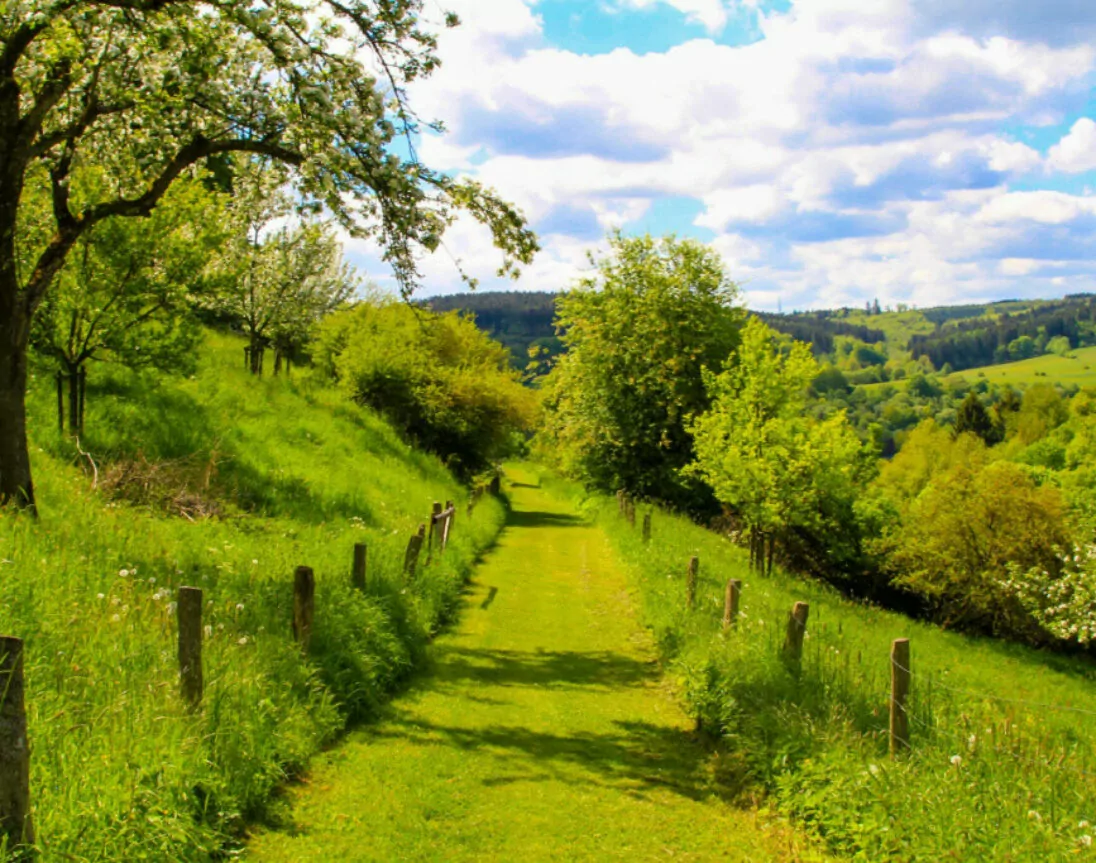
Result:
520,320
951,338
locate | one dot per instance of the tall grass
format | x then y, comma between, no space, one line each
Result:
986,778
120,769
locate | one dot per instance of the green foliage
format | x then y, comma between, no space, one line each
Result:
120,769
1023,348
985,780
974,418
638,334
278,274
437,378
776,467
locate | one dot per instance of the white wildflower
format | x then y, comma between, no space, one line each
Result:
873,769
1086,840
956,760
123,573
115,618
1034,816
239,606
102,596
208,630
242,640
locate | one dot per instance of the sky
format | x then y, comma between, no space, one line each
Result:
833,152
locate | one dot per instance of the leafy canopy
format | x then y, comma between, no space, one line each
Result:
759,449
639,332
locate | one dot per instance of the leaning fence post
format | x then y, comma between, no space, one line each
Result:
690,581
15,818
189,614
357,577
797,626
495,486
620,500
900,689
630,511
730,603
646,527
414,546
304,605
450,511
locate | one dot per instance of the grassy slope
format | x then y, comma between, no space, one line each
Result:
1022,789
1079,368
543,732
119,769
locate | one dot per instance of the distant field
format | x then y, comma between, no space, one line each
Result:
1079,368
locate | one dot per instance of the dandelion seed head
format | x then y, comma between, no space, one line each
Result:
956,760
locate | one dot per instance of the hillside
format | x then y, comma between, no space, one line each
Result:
226,482
521,320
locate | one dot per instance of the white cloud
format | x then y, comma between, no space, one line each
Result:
1076,152
849,153
711,14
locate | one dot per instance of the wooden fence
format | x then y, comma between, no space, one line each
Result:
16,825
792,648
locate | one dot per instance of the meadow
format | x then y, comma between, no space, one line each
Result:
1076,368
224,482
1001,761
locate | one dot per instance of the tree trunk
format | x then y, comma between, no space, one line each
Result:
277,362
15,478
74,400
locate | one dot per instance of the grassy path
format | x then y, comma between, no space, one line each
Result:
542,732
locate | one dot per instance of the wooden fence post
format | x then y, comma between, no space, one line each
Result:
450,511
730,603
189,614
690,581
900,689
357,577
15,818
797,626
631,511
304,605
646,527
620,500
433,530
414,547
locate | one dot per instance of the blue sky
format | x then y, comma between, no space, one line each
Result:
832,151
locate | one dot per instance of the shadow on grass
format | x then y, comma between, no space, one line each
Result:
524,518
554,669
635,758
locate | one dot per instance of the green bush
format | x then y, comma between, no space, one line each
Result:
444,383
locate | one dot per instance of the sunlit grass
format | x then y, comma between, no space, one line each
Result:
120,770
986,779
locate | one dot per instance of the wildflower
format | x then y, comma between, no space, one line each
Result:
956,760
1081,825
123,573
242,640
114,600
1034,816
220,627
208,630
254,563
873,769
152,579
115,618
239,606
102,596
971,741
171,606
1086,840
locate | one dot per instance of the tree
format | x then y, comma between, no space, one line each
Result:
144,91
279,281
974,418
638,333
763,455
125,293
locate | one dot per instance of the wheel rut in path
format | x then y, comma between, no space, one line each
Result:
542,731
